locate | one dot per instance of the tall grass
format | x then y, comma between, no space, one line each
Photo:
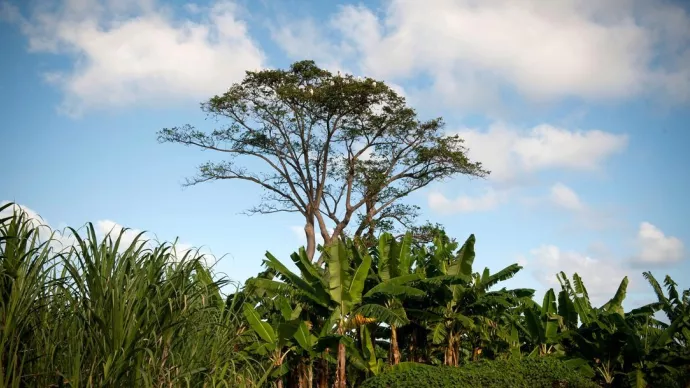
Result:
99,314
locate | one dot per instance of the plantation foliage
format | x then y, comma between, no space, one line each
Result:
542,372
395,313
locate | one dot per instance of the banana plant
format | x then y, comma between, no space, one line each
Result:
676,307
663,346
542,325
611,338
391,279
280,337
334,293
461,301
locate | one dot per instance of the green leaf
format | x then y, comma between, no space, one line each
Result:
384,251
616,303
287,330
405,260
389,316
283,306
579,297
389,286
466,256
263,329
330,323
535,327
636,379
500,276
566,309
549,304
368,348
357,284
395,291
303,336
338,269
439,333
306,267
300,283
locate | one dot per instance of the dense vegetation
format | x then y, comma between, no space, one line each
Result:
539,372
102,314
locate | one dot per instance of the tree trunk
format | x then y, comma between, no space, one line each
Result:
310,233
413,346
310,375
304,374
323,373
450,350
340,381
278,362
395,351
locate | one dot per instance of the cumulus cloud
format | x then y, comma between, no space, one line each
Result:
583,216
593,50
136,52
600,276
655,248
61,240
511,153
514,155
491,199
303,39
565,197
57,240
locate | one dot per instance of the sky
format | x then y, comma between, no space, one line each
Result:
579,108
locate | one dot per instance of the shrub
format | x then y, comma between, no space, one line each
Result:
544,372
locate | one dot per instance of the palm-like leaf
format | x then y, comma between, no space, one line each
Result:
396,317
500,276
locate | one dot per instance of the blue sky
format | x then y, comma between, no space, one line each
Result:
579,109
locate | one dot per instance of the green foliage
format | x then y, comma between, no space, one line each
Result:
331,147
101,314
104,314
540,372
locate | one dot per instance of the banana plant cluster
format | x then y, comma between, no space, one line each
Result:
619,348
370,308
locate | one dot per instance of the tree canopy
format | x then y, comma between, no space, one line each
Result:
330,147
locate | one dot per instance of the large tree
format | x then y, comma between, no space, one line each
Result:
329,146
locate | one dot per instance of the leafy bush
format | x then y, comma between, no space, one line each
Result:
544,372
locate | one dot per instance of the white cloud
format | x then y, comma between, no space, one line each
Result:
510,153
128,235
565,197
603,274
58,240
61,240
589,49
303,39
513,156
465,204
115,230
655,248
34,218
584,217
135,52
600,276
